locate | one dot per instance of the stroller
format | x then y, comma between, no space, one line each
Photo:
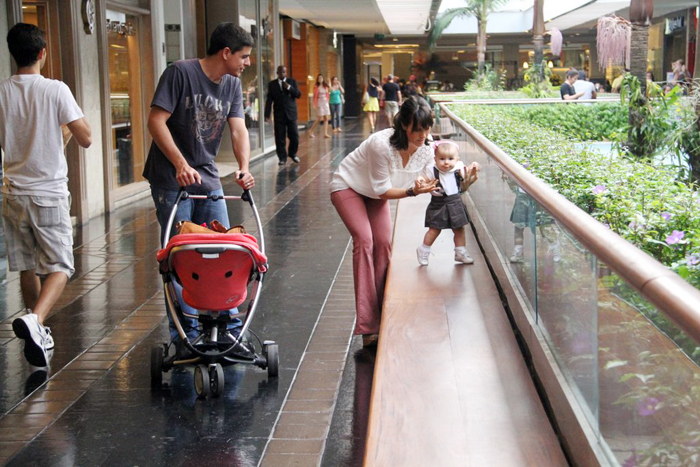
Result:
215,271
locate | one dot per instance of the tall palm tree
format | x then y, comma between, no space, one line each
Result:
641,12
479,9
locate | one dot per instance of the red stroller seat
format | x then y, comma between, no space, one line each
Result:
214,269
212,273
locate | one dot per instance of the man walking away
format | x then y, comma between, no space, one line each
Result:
283,93
194,101
392,97
37,118
586,87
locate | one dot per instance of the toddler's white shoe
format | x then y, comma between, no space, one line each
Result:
517,256
555,249
462,256
422,256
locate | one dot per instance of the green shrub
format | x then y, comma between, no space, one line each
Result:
642,203
599,122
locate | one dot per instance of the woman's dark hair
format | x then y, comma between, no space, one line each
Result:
231,36
415,113
374,81
25,41
324,84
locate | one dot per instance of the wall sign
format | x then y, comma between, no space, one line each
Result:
89,16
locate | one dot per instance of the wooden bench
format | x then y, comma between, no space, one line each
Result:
451,387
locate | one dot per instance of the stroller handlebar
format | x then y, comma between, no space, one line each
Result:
212,197
247,196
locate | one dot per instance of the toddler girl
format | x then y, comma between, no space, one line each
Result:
446,210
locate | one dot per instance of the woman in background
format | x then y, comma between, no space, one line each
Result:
323,111
372,105
336,101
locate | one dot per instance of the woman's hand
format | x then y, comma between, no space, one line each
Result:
421,186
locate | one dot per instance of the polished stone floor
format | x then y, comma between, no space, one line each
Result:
96,406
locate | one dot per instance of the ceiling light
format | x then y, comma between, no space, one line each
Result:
396,46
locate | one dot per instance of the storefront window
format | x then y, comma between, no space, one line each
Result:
249,79
269,67
125,91
43,14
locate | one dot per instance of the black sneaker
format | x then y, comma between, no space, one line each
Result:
182,352
281,162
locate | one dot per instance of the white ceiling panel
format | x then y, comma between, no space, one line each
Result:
405,16
361,17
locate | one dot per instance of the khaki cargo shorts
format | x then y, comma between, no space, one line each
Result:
38,234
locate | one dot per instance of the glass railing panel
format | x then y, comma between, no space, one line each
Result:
649,380
567,306
502,205
635,374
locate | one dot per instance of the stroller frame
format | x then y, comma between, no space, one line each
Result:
208,353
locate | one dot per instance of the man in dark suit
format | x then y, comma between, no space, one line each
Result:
283,93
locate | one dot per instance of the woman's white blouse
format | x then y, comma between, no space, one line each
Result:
375,167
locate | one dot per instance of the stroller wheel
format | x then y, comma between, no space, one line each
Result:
201,381
216,379
273,360
157,365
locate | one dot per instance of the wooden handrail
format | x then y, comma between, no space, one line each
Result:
663,288
599,100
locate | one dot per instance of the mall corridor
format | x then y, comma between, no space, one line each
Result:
96,405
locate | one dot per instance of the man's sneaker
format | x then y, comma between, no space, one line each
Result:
36,339
182,352
48,341
555,249
517,256
422,256
462,256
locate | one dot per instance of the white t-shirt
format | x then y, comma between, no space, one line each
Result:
586,87
448,180
376,166
32,110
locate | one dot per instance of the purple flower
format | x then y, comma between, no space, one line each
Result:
693,260
647,406
675,237
599,189
666,215
631,461
632,225
581,344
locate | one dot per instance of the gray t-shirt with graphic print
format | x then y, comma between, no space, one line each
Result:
200,109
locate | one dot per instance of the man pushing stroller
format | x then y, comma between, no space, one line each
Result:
193,101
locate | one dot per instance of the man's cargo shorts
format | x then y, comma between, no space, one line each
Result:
38,233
